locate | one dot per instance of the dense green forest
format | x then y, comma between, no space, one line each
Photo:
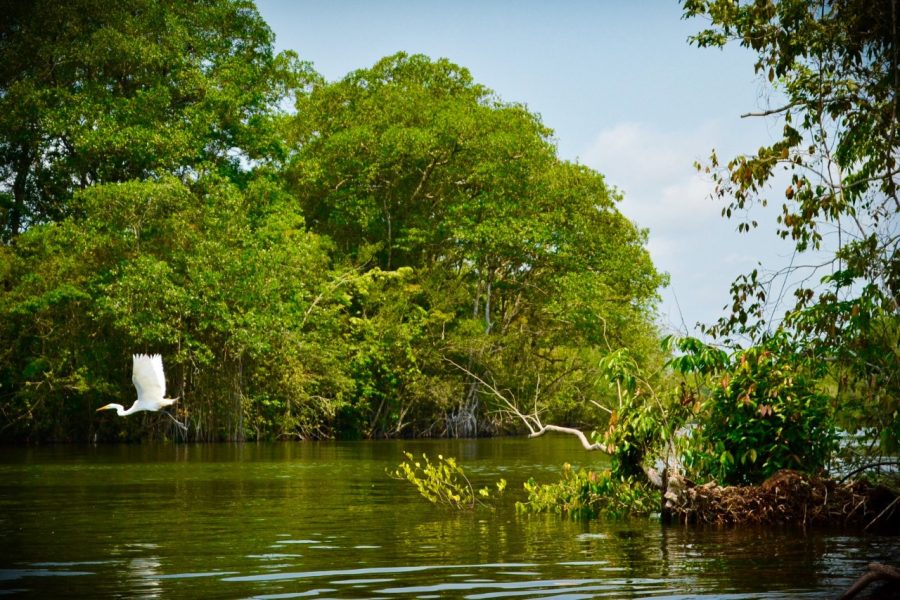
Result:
339,268
403,253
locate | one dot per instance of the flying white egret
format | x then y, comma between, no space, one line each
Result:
150,382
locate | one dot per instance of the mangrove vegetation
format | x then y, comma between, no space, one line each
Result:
313,259
402,253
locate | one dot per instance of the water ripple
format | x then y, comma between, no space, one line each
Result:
306,594
532,586
368,571
13,574
192,575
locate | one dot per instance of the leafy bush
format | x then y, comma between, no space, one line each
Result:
761,413
642,427
583,493
444,482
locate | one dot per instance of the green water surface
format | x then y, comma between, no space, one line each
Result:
322,520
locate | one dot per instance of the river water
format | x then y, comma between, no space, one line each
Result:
323,520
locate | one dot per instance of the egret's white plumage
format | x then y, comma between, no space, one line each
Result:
150,382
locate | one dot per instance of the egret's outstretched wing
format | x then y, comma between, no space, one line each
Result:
148,377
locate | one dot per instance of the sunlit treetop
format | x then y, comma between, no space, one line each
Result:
97,92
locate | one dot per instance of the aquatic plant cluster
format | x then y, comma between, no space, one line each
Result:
583,493
444,482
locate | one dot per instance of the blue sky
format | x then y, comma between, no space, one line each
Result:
618,83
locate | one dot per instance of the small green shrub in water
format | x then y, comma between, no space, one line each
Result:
444,482
585,494
762,413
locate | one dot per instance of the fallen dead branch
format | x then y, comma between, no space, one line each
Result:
542,429
531,420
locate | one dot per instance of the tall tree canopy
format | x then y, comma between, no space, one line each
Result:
377,263
98,92
836,64
216,278
410,164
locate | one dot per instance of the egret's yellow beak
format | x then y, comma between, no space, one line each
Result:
104,407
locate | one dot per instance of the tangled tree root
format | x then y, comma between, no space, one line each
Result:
788,497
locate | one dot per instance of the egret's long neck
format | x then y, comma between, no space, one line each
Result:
120,410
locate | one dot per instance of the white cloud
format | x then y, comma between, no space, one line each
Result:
689,239
654,170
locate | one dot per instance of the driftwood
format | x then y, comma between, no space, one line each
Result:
876,572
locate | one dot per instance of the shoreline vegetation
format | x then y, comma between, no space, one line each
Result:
402,253
788,497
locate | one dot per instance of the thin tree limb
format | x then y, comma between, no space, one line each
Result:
571,431
532,422
773,111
